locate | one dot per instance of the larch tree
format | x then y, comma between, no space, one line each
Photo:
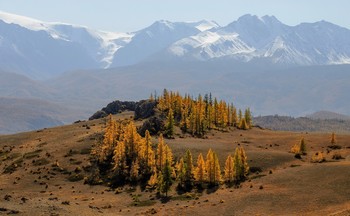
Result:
160,156
302,146
200,169
244,163
213,168
240,115
248,118
149,154
243,124
134,171
165,180
104,151
238,167
333,139
229,170
188,168
217,170
120,166
153,181
169,127
209,166
180,172
234,118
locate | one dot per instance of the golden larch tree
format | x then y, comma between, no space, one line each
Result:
200,169
229,170
333,139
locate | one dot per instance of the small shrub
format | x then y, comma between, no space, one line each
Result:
334,147
65,203
85,151
318,158
71,153
75,177
255,170
337,156
33,154
40,162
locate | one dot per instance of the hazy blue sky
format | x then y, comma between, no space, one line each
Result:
131,15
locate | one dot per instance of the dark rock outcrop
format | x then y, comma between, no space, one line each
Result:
143,109
154,125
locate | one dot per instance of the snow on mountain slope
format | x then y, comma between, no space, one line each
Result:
100,45
151,40
42,50
204,25
207,45
29,23
252,37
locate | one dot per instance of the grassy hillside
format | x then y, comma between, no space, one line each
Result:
328,115
42,172
17,115
286,123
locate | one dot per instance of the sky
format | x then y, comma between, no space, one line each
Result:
133,15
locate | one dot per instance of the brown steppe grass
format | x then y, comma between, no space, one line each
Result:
41,173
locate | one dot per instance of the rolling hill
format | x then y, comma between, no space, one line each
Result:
43,172
18,115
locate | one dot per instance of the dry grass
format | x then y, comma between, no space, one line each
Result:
50,168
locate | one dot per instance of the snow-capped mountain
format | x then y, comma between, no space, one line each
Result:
251,37
157,37
42,50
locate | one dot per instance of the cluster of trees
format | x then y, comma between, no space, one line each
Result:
208,171
125,157
300,149
196,116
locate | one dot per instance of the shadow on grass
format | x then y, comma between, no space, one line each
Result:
212,189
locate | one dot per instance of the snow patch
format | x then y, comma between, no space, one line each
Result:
206,25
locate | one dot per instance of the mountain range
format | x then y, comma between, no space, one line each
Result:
67,72
42,50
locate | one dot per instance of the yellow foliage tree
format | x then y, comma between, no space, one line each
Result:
200,169
160,156
153,181
229,170
163,154
333,140
103,152
243,124
213,168
148,151
180,170
244,162
248,118
134,171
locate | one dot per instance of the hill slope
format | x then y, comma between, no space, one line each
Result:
52,162
18,115
328,115
286,123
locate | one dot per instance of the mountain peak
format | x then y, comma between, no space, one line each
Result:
26,22
271,19
162,24
205,25
249,19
